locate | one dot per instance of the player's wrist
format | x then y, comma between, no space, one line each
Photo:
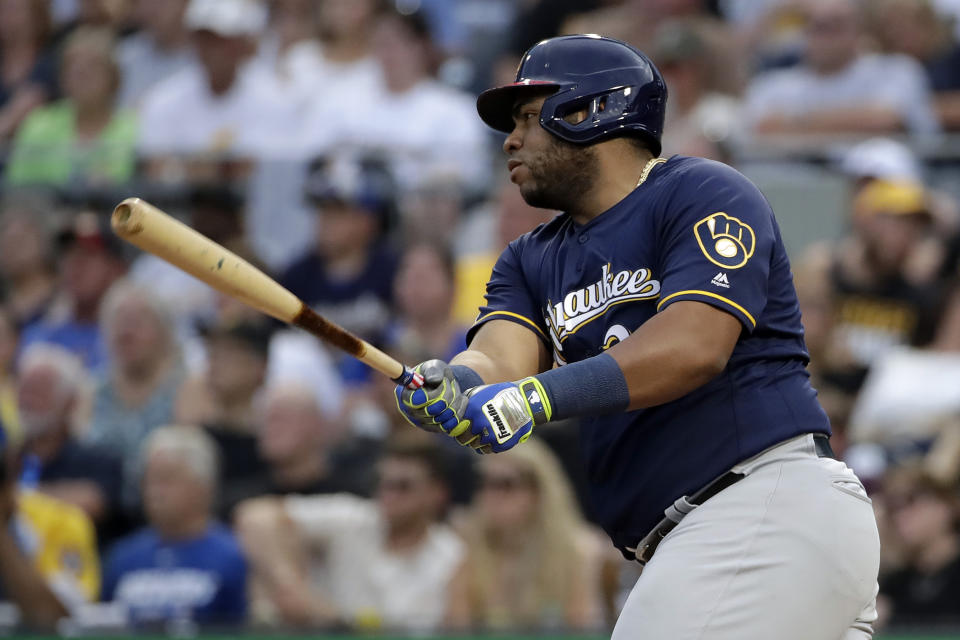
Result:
466,377
536,400
568,396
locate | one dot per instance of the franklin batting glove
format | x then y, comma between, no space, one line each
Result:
438,405
503,415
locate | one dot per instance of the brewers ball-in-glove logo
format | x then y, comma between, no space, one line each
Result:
726,241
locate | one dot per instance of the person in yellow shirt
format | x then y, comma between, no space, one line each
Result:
48,557
60,539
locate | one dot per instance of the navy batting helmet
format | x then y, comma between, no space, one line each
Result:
622,91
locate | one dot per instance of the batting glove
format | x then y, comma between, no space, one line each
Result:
503,415
438,405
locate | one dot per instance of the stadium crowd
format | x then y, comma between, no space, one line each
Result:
171,458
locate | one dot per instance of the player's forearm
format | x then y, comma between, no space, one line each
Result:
480,363
502,351
667,357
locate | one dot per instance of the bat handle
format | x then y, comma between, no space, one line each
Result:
409,378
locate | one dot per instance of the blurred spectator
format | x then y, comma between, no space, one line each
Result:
235,109
523,516
423,127
108,14
424,290
289,46
48,560
216,211
81,140
433,212
839,88
881,159
91,259
638,22
47,556
51,385
772,31
297,357
384,563
137,393
28,74
700,121
874,290
512,217
223,401
9,336
183,566
299,448
339,62
159,50
26,262
926,520
292,22
914,28
347,276
375,424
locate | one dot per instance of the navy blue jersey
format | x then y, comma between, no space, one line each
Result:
694,230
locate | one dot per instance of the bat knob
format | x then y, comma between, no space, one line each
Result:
409,378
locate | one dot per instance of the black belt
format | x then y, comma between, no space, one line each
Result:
684,504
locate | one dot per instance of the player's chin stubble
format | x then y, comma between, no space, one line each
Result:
561,175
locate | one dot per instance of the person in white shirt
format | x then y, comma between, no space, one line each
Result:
838,88
422,126
334,560
221,106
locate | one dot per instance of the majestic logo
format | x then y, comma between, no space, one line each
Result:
504,432
720,280
582,306
726,241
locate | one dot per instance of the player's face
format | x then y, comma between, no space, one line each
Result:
551,173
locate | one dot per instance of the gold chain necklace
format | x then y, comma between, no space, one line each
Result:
648,168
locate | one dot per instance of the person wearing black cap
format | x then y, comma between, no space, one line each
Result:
347,275
91,259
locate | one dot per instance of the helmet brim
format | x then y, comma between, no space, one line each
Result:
495,106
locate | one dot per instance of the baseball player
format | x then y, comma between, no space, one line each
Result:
664,296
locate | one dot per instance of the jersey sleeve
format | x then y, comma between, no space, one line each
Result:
509,297
717,241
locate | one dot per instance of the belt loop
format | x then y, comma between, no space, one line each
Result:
679,509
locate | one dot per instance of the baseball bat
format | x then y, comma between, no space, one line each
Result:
147,227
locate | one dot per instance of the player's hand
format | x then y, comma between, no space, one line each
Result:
503,415
438,405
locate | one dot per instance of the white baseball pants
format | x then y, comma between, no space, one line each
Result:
790,552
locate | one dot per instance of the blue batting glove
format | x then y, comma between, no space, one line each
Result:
438,405
503,415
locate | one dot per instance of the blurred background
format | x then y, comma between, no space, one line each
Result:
173,463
